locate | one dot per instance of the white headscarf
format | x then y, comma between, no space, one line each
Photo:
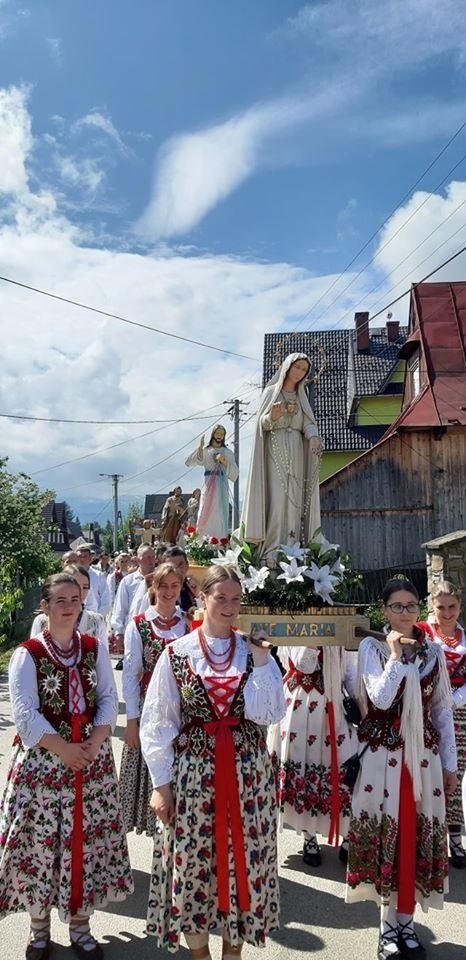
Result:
278,379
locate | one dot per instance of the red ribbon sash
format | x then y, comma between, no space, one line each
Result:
406,844
227,807
78,720
334,830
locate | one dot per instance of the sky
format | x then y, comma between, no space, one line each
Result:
216,171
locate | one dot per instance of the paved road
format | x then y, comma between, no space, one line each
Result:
315,918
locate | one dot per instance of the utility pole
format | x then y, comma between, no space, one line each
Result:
236,413
114,477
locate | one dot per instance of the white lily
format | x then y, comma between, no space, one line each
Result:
229,558
256,579
293,549
291,571
338,568
325,545
324,580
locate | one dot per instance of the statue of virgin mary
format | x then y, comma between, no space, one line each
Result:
282,502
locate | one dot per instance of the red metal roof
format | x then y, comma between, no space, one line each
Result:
437,320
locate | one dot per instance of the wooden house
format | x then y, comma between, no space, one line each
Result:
411,486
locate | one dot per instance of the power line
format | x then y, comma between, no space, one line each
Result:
120,443
387,218
116,316
104,423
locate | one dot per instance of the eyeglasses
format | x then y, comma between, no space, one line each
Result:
411,607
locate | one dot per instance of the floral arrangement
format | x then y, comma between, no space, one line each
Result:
202,550
301,576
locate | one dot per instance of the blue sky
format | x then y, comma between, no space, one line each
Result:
209,168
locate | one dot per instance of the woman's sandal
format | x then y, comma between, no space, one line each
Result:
41,936
387,940
82,940
416,952
457,854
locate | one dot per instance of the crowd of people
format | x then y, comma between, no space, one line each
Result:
220,752
227,741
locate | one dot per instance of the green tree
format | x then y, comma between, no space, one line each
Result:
25,556
133,517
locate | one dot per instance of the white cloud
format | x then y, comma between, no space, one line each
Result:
55,47
97,120
356,54
421,235
15,140
85,173
196,171
388,36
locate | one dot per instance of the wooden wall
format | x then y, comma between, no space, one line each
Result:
405,491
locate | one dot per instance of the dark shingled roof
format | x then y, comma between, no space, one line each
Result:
344,376
153,506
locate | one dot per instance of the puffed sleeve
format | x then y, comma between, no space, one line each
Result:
107,696
459,696
350,671
381,681
24,695
264,700
132,669
441,713
160,722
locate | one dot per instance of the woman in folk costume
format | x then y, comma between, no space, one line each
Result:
62,842
282,494
311,742
146,636
219,467
398,835
443,628
88,621
202,736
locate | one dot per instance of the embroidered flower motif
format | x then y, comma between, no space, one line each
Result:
51,685
187,693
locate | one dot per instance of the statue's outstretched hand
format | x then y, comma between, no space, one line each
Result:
201,444
315,445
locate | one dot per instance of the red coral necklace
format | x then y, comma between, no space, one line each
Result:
450,641
59,652
220,662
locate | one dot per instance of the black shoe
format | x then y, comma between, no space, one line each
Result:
311,852
457,854
343,853
416,952
119,665
386,940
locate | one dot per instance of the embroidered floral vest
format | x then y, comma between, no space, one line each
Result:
197,711
308,681
53,684
152,647
382,727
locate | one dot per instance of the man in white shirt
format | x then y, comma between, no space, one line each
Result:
98,598
128,588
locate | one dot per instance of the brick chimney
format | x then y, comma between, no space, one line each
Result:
393,330
362,331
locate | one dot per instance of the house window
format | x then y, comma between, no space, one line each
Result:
415,372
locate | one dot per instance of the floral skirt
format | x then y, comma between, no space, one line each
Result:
36,828
454,803
374,859
183,890
300,750
135,793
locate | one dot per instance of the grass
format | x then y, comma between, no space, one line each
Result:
6,649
